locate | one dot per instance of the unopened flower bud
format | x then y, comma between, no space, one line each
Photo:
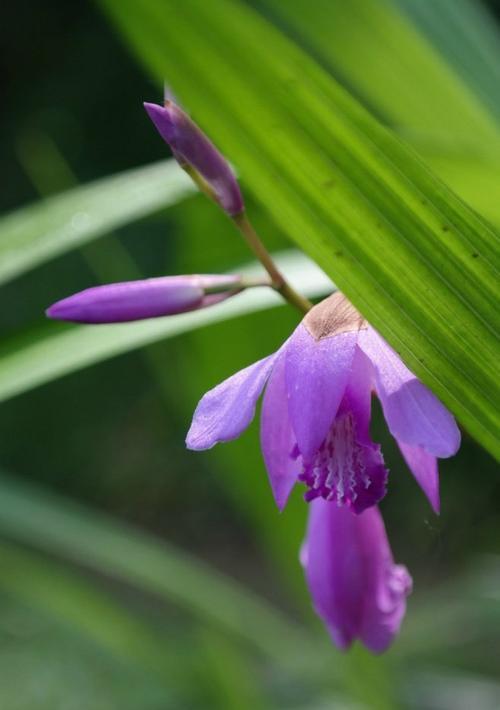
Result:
193,150
149,298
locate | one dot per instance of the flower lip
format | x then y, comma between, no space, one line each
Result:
344,471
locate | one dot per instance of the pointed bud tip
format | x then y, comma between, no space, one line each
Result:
191,147
162,118
52,312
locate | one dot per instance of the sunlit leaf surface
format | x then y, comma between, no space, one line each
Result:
34,234
400,244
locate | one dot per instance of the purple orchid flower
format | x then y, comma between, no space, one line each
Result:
192,149
356,588
316,412
149,298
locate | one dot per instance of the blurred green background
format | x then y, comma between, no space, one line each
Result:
136,574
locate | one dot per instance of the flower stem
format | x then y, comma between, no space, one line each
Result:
241,285
278,280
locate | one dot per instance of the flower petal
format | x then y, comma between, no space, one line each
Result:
224,412
356,588
386,608
357,400
349,468
358,395
316,373
277,437
413,414
425,469
334,570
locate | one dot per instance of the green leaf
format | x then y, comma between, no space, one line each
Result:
49,352
395,70
68,596
466,33
392,66
419,264
34,234
58,526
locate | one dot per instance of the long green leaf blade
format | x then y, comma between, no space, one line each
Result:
419,264
467,35
55,225
391,66
95,540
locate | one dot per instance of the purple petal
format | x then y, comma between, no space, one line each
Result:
348,467
425,469
358,395
413,414
277,437
316,374
224,412
190,145
370,484
356,588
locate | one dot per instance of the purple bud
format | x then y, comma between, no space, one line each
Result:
150,298
192,147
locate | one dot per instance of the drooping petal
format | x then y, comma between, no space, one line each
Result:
224,412
425,469
277,437
316,373
334,570
413,414
355,586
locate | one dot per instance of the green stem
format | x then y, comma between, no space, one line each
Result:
253,240
279,282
